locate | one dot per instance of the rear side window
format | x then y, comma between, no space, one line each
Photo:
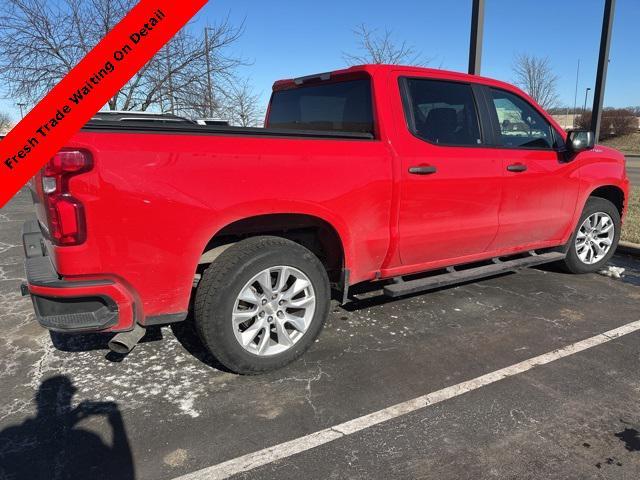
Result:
521,126
343,106
442,112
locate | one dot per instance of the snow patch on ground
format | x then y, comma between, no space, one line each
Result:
156,372
186,406
612,272
139,382
6,246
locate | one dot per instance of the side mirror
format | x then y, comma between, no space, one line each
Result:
580,140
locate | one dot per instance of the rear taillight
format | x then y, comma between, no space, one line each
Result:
65,214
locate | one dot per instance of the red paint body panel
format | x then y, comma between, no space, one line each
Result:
536,205
452,213
154,201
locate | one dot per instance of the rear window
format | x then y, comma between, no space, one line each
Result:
343,106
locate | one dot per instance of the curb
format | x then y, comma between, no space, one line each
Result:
631,155
629,248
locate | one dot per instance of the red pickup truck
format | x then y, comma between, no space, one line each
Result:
413,177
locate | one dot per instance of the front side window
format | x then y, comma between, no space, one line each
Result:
339,106
521,126
558,141
442,112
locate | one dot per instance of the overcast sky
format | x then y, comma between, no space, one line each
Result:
287,38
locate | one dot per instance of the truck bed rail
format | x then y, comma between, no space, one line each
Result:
193,129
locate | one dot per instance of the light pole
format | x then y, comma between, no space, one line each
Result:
603,65
209,82
586,94
575,96
477,29
21,105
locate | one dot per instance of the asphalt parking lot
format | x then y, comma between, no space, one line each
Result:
74,411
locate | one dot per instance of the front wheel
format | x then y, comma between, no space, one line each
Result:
596,238
261,304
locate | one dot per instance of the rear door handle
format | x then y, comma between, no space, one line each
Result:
423,170
517,167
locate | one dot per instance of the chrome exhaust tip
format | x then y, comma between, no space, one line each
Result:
124,342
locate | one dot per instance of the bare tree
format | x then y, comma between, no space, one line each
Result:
40,41
535,76
380,48
234,101
242,106
5,123
634,110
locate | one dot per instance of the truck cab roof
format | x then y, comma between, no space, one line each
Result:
375,69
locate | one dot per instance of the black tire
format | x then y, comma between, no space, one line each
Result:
222,282
572,262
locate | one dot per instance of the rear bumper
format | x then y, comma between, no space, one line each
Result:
87,305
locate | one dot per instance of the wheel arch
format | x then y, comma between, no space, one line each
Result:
311,231
612,193
610,189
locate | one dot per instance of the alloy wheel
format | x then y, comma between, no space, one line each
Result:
273,310
594,238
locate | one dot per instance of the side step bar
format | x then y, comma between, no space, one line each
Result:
453,276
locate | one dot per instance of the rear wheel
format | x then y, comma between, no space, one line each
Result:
261,304
596,237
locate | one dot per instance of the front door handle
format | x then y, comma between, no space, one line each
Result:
517,167
423,170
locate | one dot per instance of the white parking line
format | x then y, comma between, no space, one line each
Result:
307,442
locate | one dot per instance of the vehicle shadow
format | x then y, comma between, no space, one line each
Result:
369,294
631,265
187,336
96,341
52,445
